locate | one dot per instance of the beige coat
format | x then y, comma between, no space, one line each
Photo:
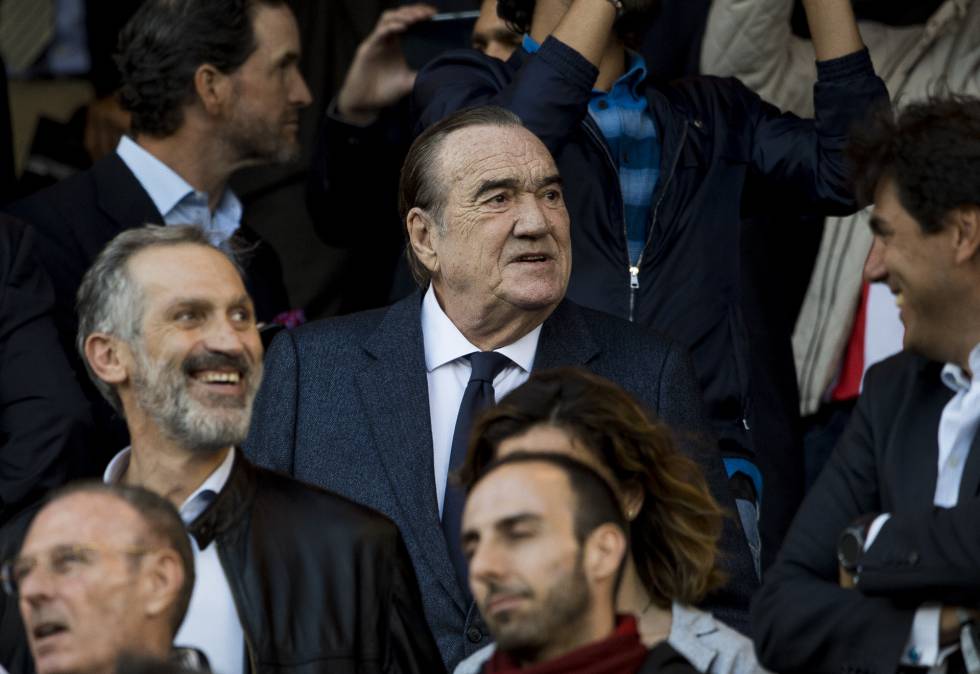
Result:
752,40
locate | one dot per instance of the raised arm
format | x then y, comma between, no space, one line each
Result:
549,91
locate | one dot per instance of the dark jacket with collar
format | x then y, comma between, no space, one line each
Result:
73,221
321,584
886,462
344,405
726,155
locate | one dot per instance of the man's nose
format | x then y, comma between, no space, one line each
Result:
531,217
225,336
299,93
874,266
35,585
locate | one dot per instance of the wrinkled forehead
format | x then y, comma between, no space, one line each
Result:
83,519
483,153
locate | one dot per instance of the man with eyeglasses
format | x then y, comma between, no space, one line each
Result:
104,572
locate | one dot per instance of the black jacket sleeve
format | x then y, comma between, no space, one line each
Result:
802,620
44,419
930,556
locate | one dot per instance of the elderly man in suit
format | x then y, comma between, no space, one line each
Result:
881,569
212,86
377,406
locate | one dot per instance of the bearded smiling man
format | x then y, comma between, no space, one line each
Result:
212,86
168,333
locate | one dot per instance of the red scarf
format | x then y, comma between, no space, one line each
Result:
620,653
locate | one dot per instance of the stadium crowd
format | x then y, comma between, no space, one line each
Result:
635,336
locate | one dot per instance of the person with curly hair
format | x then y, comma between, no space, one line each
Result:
880,570
662,177
673,520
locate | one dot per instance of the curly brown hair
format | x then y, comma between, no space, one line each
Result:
674,536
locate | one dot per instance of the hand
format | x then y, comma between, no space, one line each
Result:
105,123
949,624
379,75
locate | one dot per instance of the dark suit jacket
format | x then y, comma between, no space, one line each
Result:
44,418
344,405
884,463
74,220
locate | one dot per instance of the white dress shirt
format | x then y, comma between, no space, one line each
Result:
211,624
447,371
957,427
177,201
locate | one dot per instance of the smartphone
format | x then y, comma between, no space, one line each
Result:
427,39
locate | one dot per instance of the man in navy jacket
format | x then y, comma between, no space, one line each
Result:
659,178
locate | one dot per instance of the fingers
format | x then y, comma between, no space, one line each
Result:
397,21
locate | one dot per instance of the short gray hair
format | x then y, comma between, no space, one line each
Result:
420,186
108,300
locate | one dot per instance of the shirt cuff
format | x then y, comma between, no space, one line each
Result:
843,67
922,648
875,529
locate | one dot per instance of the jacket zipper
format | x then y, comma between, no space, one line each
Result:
249,647
635,270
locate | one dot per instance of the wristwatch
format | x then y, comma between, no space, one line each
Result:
850,545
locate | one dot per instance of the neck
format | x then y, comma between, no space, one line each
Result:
653,622
968,343
490,327
161,465
195,155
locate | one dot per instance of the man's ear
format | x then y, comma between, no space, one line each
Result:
213,88
421,232
161,581
966,223
105,356
605,548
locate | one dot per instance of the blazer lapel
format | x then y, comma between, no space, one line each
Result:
917,436
565,339
122,197
394,395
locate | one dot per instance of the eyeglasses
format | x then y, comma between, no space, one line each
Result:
61,561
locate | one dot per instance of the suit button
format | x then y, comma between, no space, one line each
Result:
474,634
913,558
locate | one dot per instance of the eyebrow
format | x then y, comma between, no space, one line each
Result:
514,184
200,302
878,224
469,535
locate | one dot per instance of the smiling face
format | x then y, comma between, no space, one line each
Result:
263,115
80,589
526,565
502,251
919,269
198,365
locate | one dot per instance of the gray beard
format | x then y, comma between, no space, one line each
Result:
202,428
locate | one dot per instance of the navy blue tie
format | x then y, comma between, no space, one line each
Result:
479,395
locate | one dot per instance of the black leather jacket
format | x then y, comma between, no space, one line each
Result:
321,583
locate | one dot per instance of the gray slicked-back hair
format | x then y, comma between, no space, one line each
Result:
110,302
421,186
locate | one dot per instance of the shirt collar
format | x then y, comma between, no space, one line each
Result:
444,343
215,481
167,189
635,73
955,378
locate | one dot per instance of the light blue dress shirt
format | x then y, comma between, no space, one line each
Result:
177,201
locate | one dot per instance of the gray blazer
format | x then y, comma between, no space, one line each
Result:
344,405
